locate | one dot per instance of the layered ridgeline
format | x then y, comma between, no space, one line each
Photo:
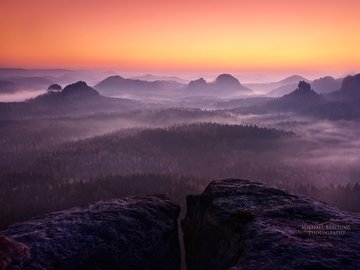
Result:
341,104
305,101
326,84
321,85
233,224
225,85
136,88
7,87
302,98
13,84
74,100
279,88
298,100
350,89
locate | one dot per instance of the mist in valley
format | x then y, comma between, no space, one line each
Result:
81,143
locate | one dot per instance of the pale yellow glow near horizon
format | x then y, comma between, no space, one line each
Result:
187,35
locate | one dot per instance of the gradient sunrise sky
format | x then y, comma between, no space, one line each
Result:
185,35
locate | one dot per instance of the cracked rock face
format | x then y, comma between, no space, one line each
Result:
130,233
237,224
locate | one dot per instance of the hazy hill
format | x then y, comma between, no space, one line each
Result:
20,83
343,103
198,84
225,85
40,79
293,79
22,72
7,87
243,102
300,99
286,84
350,89
74,100
282,90
322,85
214,150
151,77
326,84
73,93
229,82
119,86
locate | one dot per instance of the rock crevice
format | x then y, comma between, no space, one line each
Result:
234,224
237,224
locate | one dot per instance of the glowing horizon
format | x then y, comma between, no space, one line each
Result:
203,35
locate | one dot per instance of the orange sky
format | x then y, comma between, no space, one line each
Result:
186,35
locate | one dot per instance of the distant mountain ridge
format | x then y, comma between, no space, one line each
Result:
336,105
76,92
227,80
282,90
224,84
79,90
117,85
198,84
350,89
300,99
24,83
7,87
321,85
343,103
293,79
32,80
288,82
151,77
326,84
75,99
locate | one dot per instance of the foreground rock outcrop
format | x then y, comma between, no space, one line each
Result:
237,224
130,233
12,253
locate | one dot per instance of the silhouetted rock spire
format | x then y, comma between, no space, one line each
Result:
80,89
199,83
304,86
54,87
224,84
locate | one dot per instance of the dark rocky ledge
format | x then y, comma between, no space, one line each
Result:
237,224
130,233
233,224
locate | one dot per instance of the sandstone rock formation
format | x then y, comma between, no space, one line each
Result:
54,87
12,254
298,100
224,84
237,224
130,233
233,224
